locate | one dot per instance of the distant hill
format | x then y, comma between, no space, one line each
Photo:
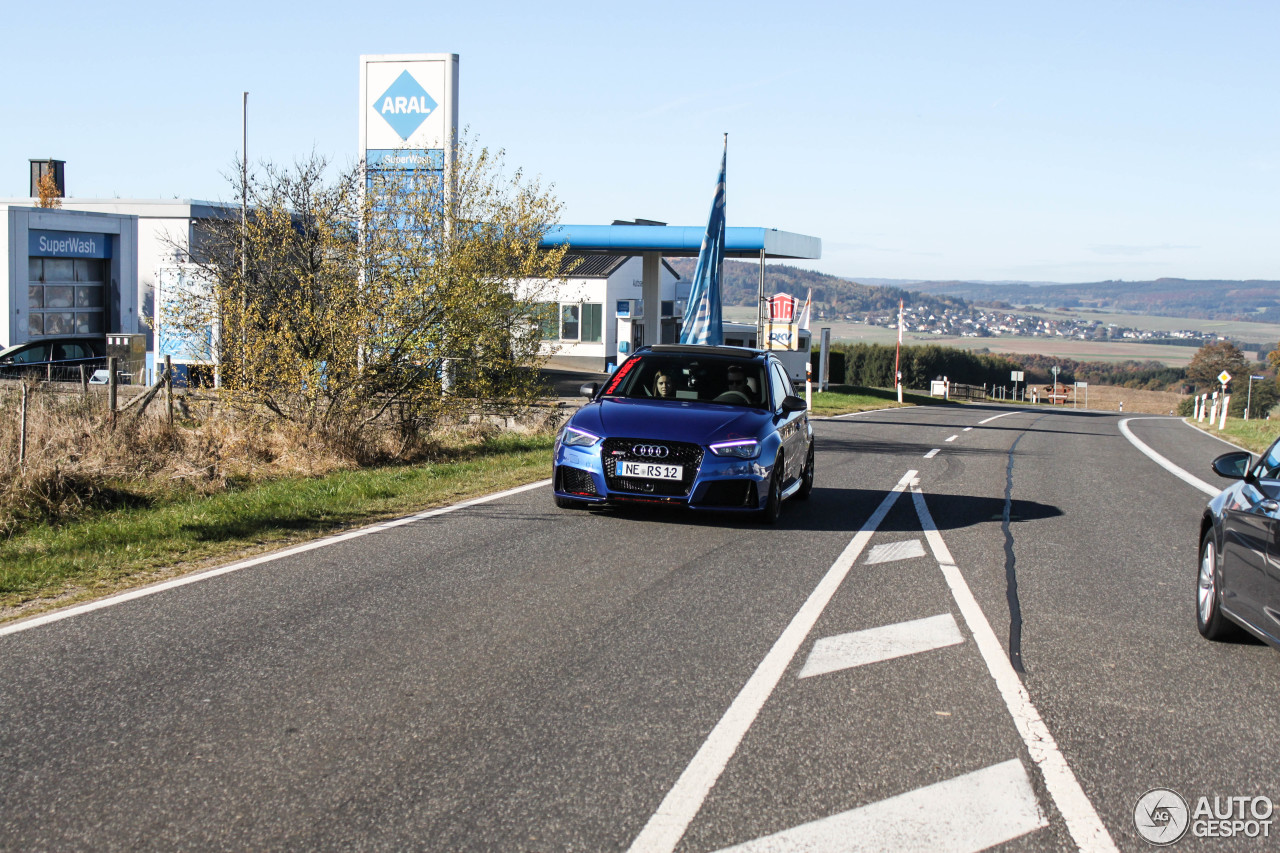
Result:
1256,301
741,281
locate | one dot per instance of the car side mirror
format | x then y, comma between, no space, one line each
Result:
792,403
589,390
1233,466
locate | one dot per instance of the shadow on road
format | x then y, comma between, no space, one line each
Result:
832,509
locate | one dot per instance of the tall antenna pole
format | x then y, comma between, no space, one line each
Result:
244,187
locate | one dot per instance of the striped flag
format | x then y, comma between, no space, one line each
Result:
702,318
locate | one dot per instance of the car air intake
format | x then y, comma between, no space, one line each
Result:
575,481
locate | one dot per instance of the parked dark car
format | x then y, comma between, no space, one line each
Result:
693,426
1238,583
53,358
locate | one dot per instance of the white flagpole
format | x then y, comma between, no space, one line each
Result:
897,356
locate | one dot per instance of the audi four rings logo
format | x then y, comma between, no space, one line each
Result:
650,451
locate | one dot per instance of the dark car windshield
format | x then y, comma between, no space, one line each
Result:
681,376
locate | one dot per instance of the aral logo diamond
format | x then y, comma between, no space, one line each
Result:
405,105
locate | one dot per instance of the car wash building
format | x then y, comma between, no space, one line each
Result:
66,273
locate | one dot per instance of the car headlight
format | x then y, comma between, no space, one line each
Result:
578,437
743,448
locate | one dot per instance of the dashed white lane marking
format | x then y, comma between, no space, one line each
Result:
997,417
891,551
931,453
953,438
859,648
1082,820
257,561
968,813
966,429
667,825
1185,476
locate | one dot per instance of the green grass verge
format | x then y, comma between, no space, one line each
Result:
113,549
1255,436
844,399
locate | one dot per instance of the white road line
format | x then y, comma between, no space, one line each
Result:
965,814
145,591
966,429
1082,820
859,648
863,412
997,417
667,825
931,453
891,551
1181,474
953,438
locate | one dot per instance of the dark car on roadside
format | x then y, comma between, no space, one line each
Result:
58,359
1238,583
701,427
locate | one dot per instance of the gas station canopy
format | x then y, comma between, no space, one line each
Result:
683,241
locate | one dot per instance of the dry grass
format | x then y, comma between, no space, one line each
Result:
1109,398
75,461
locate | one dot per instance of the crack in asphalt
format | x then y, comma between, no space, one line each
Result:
1011,569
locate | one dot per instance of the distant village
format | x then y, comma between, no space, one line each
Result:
990,323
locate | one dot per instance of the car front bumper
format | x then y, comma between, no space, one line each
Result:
720,483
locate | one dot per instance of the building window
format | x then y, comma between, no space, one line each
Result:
592,322
569,322
544,314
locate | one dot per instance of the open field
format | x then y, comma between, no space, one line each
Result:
1262,333
1015,345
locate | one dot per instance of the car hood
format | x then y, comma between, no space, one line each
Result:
674,420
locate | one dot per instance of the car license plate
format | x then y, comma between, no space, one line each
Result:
650,470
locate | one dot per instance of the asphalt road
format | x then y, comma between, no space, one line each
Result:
509,676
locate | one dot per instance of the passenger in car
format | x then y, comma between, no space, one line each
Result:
664,385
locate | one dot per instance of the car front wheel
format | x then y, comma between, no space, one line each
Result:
1210,620
806,477
773,506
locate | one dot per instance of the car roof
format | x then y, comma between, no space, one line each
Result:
704,349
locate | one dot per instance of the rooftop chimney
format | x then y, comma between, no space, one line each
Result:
40,168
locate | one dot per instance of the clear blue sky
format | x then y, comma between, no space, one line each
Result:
1023,140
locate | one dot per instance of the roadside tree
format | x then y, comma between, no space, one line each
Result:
1211,359
354,309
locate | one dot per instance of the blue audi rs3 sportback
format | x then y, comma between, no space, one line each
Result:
703,427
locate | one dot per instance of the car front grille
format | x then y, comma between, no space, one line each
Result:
616,450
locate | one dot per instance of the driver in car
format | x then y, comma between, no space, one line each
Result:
736,380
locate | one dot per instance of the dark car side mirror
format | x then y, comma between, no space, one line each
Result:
589,390
1233,466
792,403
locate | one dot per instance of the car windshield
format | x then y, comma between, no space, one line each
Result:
680,376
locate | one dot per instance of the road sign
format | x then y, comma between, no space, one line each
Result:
1082,384
1256,377
1224,377
1015,376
